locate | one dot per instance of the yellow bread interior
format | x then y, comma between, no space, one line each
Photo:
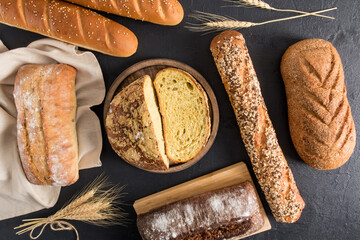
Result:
185,114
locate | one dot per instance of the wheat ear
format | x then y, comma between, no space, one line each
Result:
264,5
93,205
212,22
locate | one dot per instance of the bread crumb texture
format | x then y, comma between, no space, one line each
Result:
185,114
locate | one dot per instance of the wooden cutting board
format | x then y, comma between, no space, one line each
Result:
225,177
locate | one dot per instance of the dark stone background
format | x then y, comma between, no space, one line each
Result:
332,197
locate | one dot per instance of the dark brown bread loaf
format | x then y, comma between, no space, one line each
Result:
69,23
221,214
46,128
320,120
271,169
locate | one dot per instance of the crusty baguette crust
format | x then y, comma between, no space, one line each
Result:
130,128
46,105
167,128
164,12
321,125
271,169
69,23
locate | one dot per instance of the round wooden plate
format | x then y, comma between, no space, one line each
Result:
151,67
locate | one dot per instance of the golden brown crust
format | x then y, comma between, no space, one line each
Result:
69,23
321,125
46,105
271,169
130,128
164,12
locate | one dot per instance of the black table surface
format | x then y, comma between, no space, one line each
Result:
332,197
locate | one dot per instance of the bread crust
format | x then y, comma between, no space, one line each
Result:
271,169
320,120
163,12
221,214
46,132
69,23
130,128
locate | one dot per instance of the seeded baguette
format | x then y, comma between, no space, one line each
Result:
163,12
69,23
271,169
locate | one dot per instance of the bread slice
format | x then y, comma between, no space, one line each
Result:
185,114
133,125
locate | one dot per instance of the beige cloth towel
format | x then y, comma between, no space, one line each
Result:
17,195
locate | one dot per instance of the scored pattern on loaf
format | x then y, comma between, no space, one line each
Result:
320,118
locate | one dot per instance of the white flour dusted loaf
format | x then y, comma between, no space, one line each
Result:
46,129
271,169
220,214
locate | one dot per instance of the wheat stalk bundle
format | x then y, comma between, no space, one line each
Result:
92,205
264,5
212,22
